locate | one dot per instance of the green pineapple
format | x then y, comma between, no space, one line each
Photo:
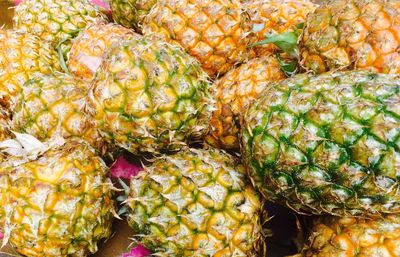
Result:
196,203
150,96
327,143
131,13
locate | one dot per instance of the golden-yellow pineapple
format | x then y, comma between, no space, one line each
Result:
234,92
274,17
53,105
55,201
216,32
353,34
89,48
22,57
351,237
56,21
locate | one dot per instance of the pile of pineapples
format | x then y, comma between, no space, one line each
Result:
230,104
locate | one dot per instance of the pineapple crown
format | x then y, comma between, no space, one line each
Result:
288,43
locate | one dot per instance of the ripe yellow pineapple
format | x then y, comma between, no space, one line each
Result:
22,57
353,34
57,201
89,48
55,21
150,96
273,17
216,32
350,237
196,203
235,91
53,105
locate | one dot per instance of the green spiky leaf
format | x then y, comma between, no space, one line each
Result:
287,42
61,57
289,68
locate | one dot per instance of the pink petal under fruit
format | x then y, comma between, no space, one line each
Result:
1,235
123,169
138,251
103,4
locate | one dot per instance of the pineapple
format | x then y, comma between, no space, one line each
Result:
55,202
235,91
4,124
22,57
274,17
56,21
131,13
195,203
150,96
327,143
353,34
216,32
351,237
89,47
53,105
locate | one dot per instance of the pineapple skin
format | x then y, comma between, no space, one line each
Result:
53,105
131,13
195,203
151,97
269,18
89,48
327,143
234,93
22,57
4,124
215,32
351,237
347,35
59,204
56,21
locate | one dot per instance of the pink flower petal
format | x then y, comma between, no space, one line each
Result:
138,251
1,235
103,4
123,169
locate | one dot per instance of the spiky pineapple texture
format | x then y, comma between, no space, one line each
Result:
353,34
274,17
216,32
327,143
195,203
350,237
22,57
4,124
58,203
131,13
235,91
150,96
53,105
89,48
55,21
